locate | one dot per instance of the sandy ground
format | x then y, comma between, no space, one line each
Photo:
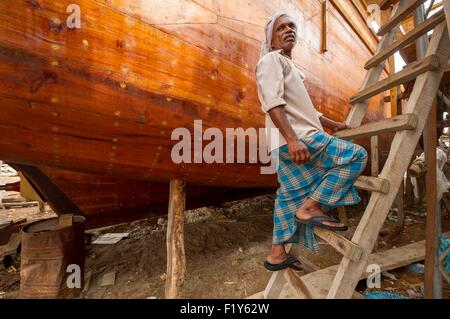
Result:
225,250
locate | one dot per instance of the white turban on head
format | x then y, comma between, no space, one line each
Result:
266,46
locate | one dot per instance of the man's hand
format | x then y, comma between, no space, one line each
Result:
298,152
340,126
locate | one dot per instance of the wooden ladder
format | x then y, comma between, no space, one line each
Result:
408,127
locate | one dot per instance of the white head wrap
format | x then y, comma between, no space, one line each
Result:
266,46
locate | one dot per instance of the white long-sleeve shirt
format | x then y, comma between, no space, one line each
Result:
280,83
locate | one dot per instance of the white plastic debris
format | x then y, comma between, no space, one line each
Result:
389,275
110,239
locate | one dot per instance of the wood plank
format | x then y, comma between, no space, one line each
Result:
410,72
394,124
356,22
342,215
57,199
340,243
168,12
433,281
324,38
400,16
297,284
65,220
373,184
375,156
176,258
402,148
319,282
358,111
407,39
258,295
446,4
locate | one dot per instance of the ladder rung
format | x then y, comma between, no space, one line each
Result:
373,184
408,38
296,283
409,73
394,124
399,17
340,243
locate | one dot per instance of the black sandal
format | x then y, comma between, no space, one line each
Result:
288,263
318,222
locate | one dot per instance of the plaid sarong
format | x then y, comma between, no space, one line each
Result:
328,179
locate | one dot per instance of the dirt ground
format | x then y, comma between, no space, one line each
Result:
225,249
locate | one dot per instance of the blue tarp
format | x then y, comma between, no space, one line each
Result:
443,246
382,295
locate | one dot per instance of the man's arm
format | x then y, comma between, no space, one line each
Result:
335,126
297,150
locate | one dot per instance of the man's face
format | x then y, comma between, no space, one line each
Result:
284,34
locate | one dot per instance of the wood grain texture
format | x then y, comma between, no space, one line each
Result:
403,145
106,200
318,283
176,256
104,99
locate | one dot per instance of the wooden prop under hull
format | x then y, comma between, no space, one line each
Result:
105,98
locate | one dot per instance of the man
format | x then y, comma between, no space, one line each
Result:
316,171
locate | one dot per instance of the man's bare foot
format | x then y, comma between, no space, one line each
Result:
311,209
278,255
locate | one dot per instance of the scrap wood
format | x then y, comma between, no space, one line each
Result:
110,239
108,279
19,204
319,282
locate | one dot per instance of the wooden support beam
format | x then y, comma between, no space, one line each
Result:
374,156
324,26
400,16
400,96
318,283
403,145
446,4
400,204
430,63
58,201
340,243
297,284
433,281
394,124
176,258
373,184
342,215
445,99
408,38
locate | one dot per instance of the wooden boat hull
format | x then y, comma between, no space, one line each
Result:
105,98
95,107
106,200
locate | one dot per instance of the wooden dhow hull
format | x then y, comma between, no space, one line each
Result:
104,99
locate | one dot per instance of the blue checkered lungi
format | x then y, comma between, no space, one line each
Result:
328,178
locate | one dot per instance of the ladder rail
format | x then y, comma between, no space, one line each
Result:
403,145
358,111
